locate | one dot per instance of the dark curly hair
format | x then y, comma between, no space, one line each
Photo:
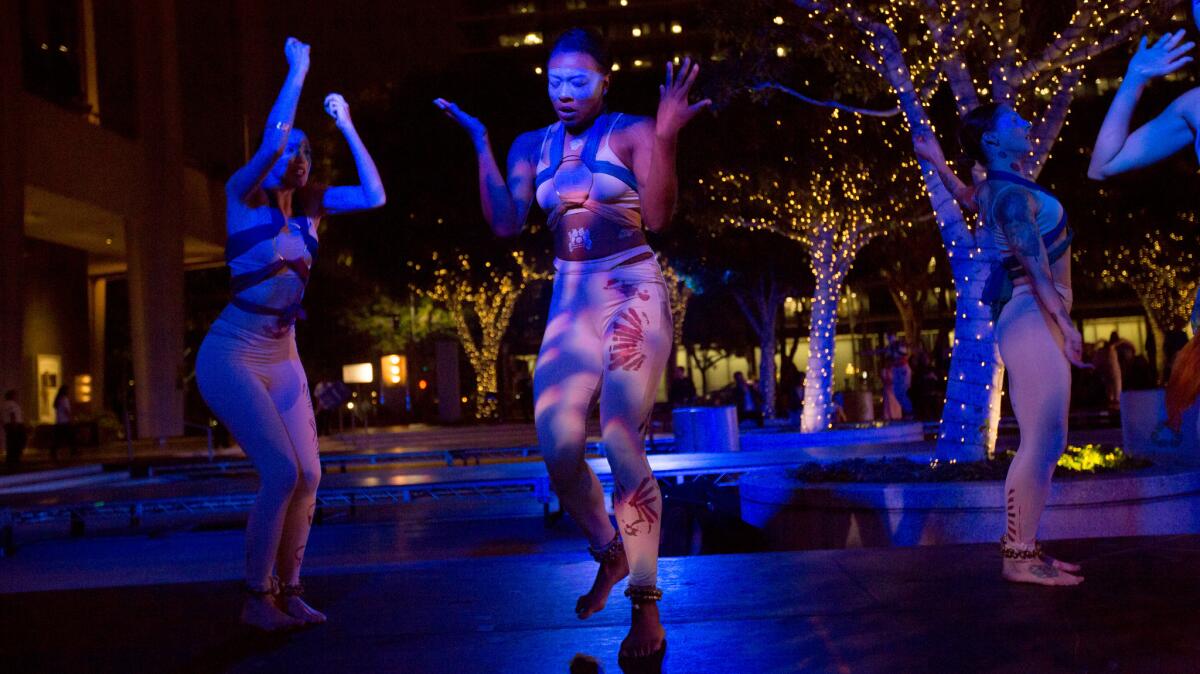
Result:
584,41
977,122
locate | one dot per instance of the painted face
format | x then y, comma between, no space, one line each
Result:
1009,134
576,86
292,168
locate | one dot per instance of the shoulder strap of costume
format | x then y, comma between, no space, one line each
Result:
554,134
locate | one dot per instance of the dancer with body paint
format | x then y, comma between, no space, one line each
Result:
1118,151
1030,295
601,176
248,369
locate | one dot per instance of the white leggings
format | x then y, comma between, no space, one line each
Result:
1039,387
609,332
256,386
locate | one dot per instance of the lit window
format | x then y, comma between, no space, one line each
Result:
781,51
522,8
778,21
676,28
576,4
637,31
537,70
520,40
616,66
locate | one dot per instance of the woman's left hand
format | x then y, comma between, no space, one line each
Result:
674,112
339,110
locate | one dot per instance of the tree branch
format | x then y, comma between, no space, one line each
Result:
826,104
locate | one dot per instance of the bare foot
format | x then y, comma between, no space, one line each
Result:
1044,571
609,574
261,613
296,607
1061,565
646,633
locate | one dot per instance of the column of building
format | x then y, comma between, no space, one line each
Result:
154,236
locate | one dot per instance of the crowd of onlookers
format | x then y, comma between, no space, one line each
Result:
911,381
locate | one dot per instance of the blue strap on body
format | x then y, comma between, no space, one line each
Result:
998,289
600,128
241,242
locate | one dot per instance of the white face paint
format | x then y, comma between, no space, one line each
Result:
577,93
574,84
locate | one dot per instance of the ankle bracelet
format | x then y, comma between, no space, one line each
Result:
1018,554
261,593
608,552
639,594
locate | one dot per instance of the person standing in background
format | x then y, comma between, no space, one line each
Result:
15,434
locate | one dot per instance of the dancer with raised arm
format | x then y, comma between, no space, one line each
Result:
1119,151
601,176
1030,293
248,369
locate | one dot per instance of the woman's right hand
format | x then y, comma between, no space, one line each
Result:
1073,347
927,148
1162,58
297,55
471,125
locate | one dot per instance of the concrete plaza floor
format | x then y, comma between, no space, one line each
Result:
508,608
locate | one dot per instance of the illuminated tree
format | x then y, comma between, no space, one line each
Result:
1028,54
480,303
679,293
845,201
1161,269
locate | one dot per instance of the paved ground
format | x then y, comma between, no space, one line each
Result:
886,610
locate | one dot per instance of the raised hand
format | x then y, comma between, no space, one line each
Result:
470,124
674,111
297,54
337,108
1162,58
927,148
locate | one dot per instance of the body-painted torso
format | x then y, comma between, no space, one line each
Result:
591,195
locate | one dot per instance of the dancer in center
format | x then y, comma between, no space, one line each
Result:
600,176
1030,295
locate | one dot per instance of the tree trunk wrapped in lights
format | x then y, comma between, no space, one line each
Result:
973,46
832,216
481,306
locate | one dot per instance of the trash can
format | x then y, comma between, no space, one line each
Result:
860,406
705,429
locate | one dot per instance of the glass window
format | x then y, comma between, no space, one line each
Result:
52,58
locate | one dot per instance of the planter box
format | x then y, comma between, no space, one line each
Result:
912,431
1164,499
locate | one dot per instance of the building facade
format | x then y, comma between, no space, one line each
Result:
111,170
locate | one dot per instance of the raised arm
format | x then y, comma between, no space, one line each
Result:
659,182
369,192
929,150
505,205
1117,150
1014,210
279,124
